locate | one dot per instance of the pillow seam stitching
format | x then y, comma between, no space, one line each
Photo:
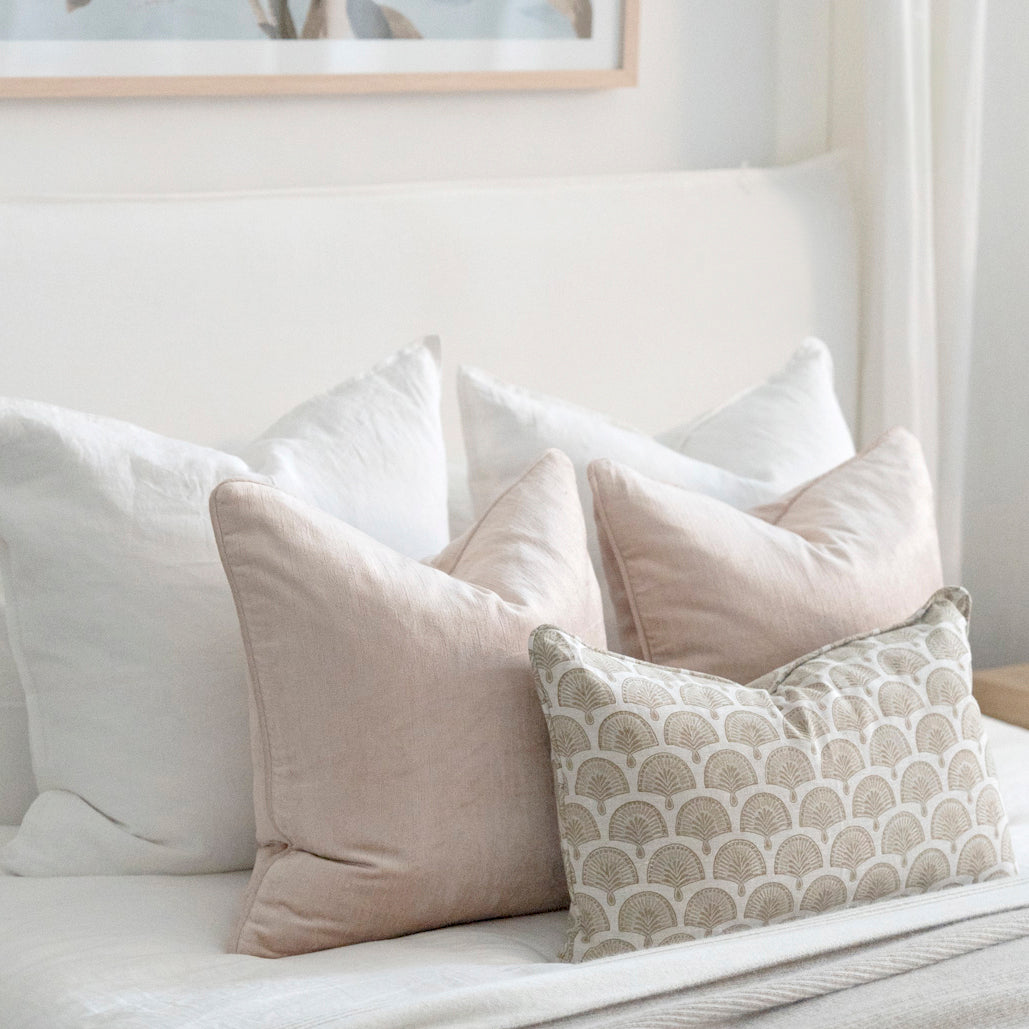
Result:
253,887
604,523
474,530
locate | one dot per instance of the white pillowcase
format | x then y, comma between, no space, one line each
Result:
123,625
785,430
17,783
761,444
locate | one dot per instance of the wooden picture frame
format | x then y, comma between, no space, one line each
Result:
67,69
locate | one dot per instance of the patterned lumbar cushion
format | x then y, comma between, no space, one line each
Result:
690,805
402,777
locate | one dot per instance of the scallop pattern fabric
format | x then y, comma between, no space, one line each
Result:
692,806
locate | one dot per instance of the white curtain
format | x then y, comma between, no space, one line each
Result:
905,95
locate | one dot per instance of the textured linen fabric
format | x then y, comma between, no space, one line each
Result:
751,450
699,585
686,802
17,782
784,430
1009,745
123,626
402,774
156,959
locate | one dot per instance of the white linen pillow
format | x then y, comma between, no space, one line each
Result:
761,444
123,625
17,783
778,430
462,515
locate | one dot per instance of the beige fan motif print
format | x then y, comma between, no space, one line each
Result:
691,806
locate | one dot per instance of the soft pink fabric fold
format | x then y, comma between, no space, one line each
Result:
698,584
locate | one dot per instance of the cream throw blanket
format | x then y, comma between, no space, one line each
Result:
148,952
968,949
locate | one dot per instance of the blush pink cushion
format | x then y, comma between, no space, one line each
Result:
700,585
402,767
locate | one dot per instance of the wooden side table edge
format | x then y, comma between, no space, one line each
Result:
1004,693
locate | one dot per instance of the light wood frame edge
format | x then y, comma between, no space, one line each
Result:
315,85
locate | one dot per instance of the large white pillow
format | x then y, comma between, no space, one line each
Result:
123,625
759,445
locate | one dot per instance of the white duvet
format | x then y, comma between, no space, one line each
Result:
149,951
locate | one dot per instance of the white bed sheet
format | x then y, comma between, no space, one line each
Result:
141,951
1010,746
148,952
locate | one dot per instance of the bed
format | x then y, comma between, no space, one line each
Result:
147,951
200,316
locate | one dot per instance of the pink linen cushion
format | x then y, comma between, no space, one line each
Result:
402,776
698,584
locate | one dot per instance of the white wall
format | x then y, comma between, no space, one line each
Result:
705,99
997,495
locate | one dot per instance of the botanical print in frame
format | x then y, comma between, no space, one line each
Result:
178,47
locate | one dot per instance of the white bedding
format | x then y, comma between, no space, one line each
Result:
150,952
1010,746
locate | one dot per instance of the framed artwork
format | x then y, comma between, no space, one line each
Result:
74,48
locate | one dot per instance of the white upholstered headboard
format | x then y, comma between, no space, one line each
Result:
649,297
